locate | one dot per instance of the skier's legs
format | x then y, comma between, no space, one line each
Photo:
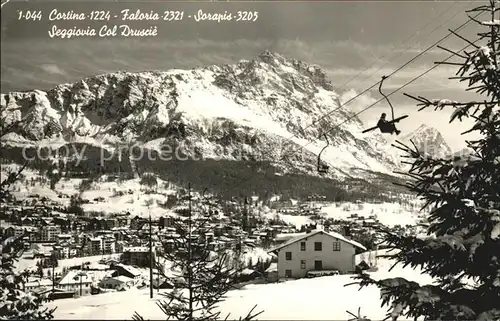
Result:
394,129
389,128
385,128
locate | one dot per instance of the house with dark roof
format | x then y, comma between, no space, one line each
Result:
317,250
126,270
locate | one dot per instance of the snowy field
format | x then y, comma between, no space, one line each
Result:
389,214
131,196
323,298
295,220
126,196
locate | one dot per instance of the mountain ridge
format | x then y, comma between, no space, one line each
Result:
268,109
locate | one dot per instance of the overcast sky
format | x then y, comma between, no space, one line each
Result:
348,39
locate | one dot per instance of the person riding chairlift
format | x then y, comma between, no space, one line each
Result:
386,126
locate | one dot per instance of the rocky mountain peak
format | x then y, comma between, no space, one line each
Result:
314,72
261,106
429,140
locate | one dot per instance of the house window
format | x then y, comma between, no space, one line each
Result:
288,273
318,265
303,264
318,246
302,246
336,246
288,256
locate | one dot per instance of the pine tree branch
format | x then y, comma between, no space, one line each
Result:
210,278
464,39
450,63
474,19
462,192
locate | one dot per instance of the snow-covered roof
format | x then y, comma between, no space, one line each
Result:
109,260
288,236
37,283
42,289
132,270
247,271
331,234
120,279
64,236
272,268
98,266
21,228
75,277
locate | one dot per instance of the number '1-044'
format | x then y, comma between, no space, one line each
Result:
29,15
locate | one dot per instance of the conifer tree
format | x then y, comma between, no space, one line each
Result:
462,248
15,303
201,275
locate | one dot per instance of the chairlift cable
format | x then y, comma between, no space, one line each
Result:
404,41
385,77
394,72
370,106
369,88
394,91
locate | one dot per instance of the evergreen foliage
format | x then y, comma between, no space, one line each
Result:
201,275
15,304
462,249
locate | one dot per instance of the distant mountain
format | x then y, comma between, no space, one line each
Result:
428,140
270,110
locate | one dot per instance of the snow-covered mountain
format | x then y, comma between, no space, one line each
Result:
270,108
464,152
428,140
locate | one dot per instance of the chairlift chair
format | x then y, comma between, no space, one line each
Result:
323,168
389,128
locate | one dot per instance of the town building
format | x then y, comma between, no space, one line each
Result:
76,281
33,285
50,233
126,270
137,255
317,250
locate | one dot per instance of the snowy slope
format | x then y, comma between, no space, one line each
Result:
268,108
389,214
324,298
